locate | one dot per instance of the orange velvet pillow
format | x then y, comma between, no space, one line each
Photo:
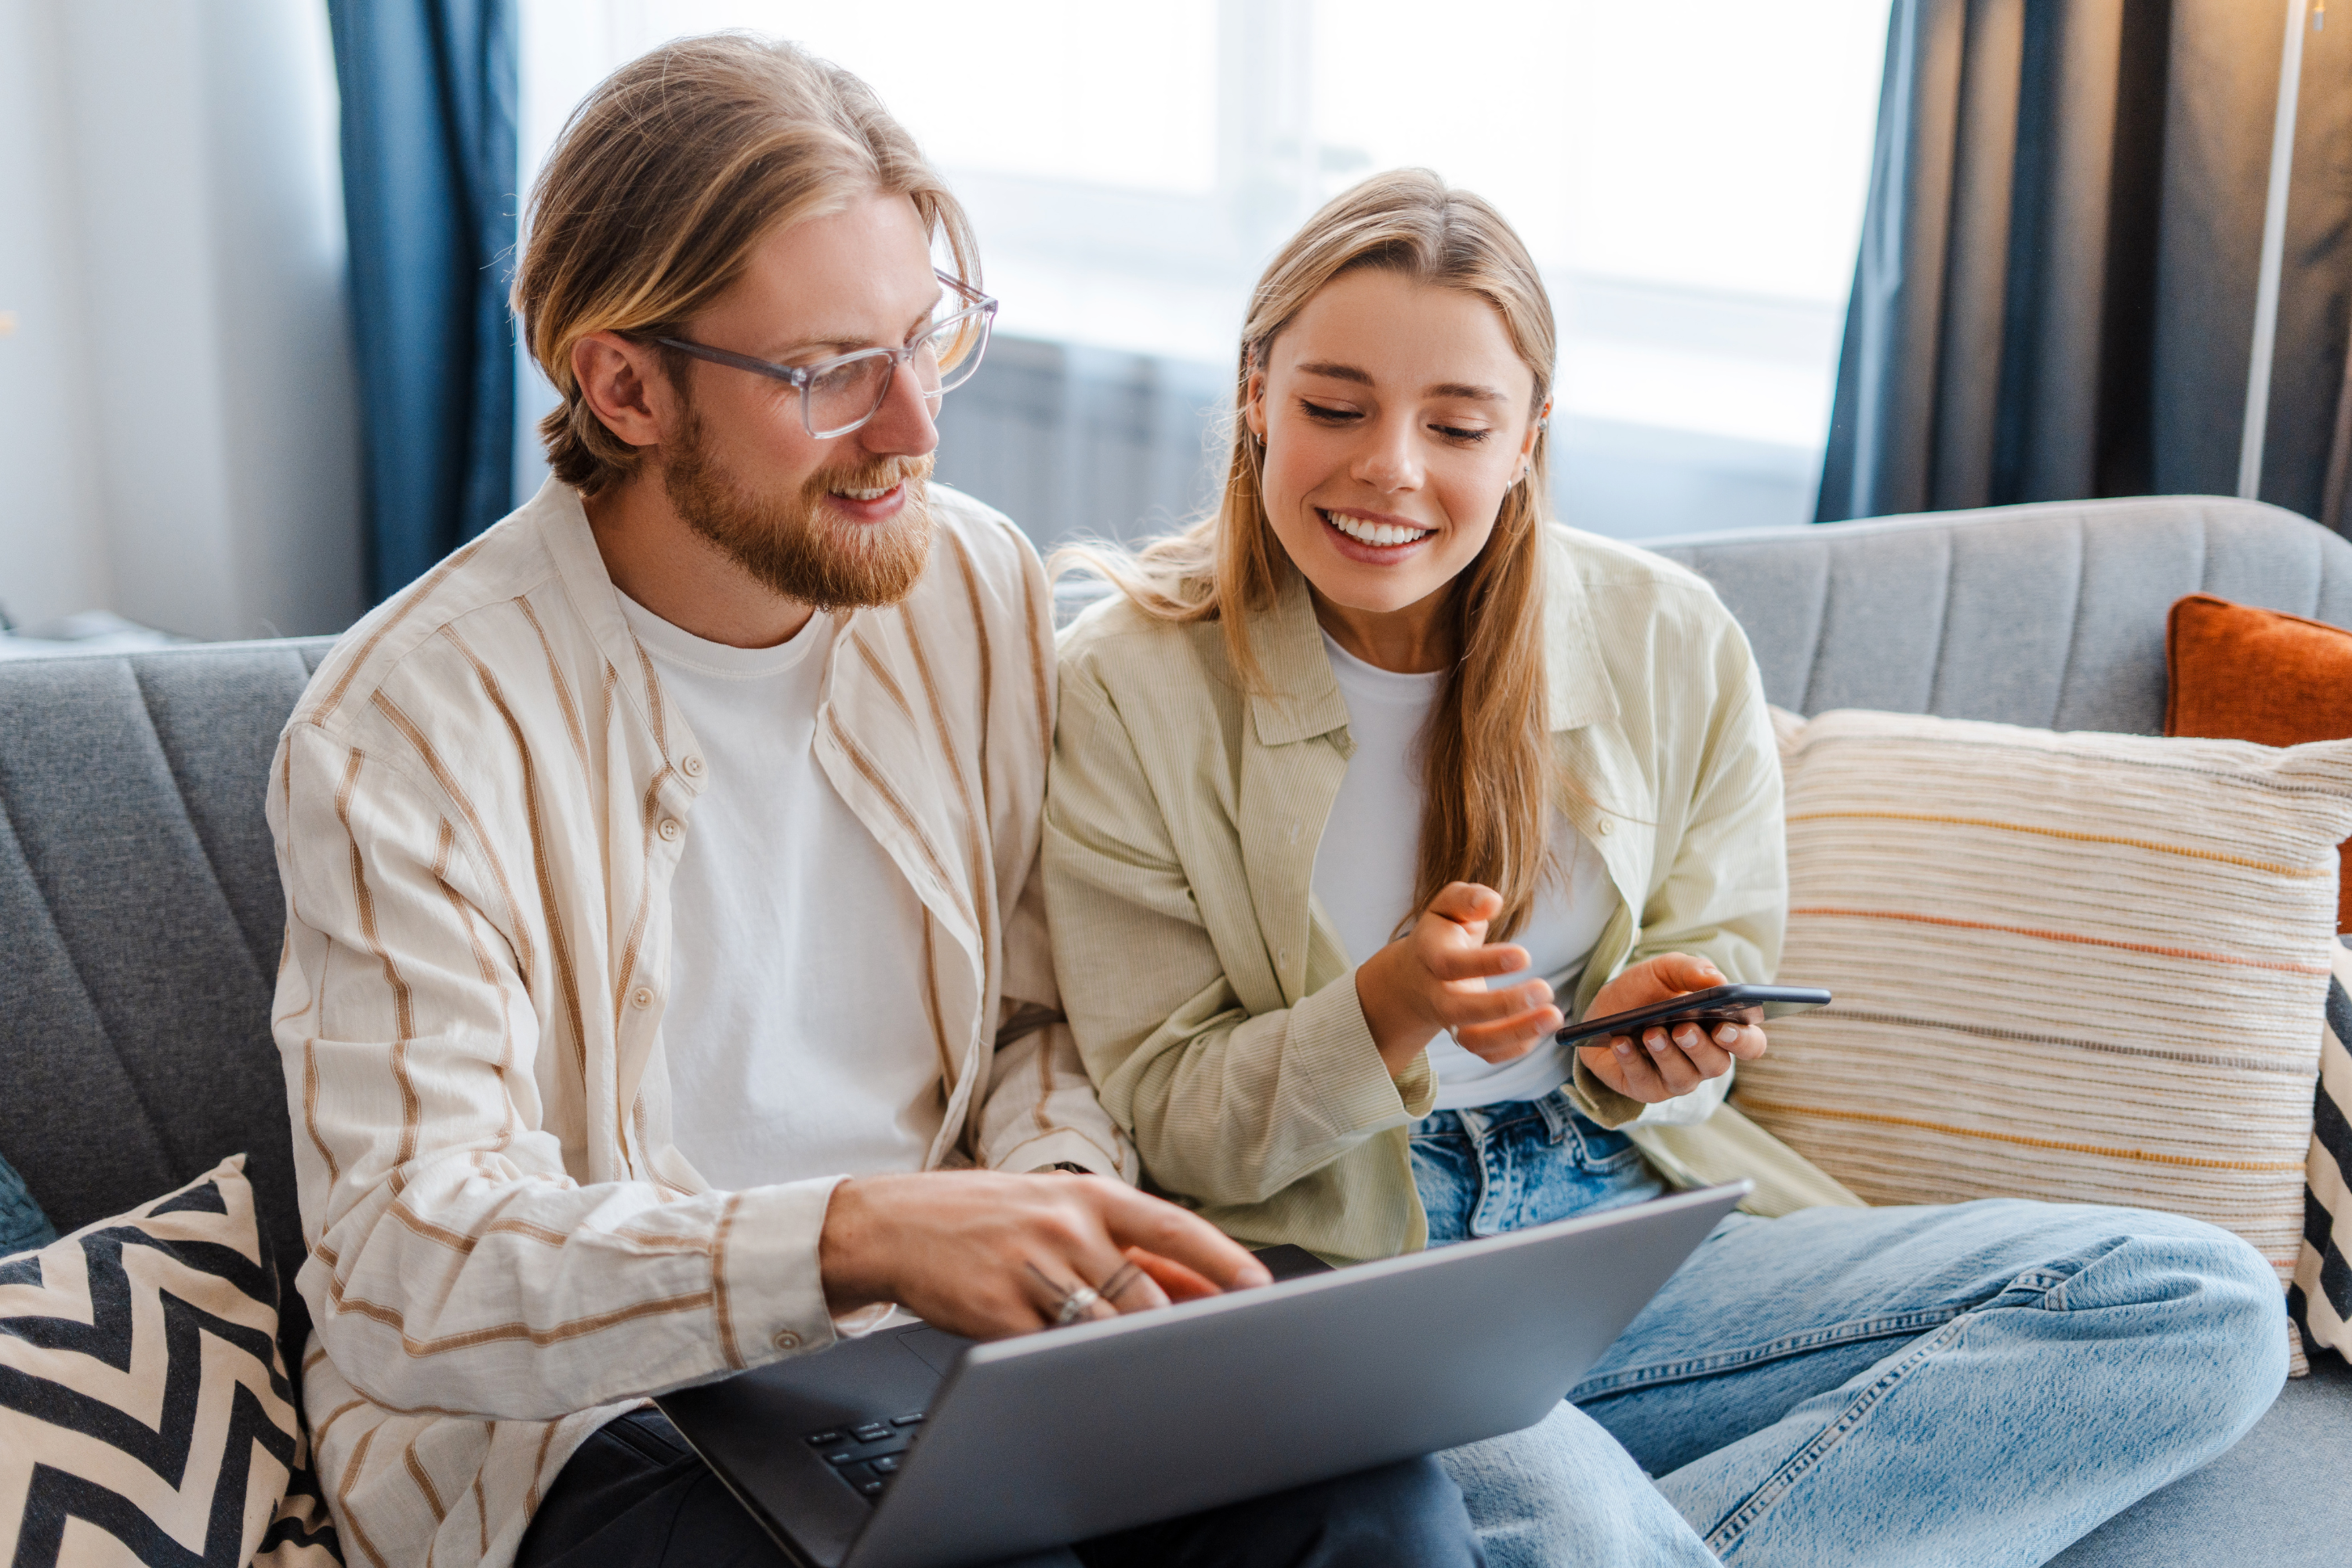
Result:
2243,674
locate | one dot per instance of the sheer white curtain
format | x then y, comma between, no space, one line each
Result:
1689,176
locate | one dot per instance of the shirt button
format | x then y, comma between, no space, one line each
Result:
691,767
787,1341
642,997
670,828
1606,826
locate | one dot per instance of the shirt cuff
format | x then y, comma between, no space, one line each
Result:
1330,1036
1600,1104
767,1288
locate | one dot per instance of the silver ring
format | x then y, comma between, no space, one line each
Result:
1074,1306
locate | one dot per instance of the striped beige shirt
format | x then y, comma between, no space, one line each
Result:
478,806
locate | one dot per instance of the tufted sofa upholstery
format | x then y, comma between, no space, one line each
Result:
140,903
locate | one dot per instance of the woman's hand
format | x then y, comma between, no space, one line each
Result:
1434,978
1658,1068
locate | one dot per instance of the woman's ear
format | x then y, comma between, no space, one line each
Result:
1536,427
1253,403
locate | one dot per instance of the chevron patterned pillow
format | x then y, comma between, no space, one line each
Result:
145,1414
2320,1299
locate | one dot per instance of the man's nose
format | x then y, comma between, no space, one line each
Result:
904,426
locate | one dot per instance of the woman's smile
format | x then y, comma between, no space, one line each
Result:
1375,538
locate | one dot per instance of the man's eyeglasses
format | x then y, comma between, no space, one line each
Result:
839,395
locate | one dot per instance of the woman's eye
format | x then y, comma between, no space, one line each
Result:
1456,433
1334,416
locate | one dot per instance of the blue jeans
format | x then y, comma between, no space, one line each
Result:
1976,1384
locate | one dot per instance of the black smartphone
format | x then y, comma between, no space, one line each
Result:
1723,1004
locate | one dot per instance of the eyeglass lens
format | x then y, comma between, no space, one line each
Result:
943,359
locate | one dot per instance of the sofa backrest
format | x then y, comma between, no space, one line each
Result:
142,920
2050,616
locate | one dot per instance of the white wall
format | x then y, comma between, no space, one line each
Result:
178,433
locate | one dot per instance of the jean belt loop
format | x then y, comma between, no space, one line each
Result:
1558,1114
1474,1121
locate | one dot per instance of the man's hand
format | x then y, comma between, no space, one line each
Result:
1659,1067
1434,978
985,1255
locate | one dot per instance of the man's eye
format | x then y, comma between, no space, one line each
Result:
1336,416
1456,432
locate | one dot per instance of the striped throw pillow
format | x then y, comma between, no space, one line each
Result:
2320,1299
145,1416
2086,968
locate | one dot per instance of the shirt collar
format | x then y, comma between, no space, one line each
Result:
1301,697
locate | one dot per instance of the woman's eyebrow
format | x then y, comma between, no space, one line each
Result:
1465,389
1337,372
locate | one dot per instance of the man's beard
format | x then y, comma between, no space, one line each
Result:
792,545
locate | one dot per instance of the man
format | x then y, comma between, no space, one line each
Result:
662,940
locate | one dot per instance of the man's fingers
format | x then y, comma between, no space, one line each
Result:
1747,1042
1178,1282
1157,1227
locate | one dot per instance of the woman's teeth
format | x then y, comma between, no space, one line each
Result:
1375,532
867,495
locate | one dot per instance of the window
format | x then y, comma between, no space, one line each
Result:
1690,177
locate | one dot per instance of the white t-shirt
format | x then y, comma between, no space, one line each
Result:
1364,875
796,1034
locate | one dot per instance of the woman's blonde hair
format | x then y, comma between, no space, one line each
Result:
664,181
1486,754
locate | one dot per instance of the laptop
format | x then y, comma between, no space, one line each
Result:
913,1449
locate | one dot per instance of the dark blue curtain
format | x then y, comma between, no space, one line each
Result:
429,91
2054,297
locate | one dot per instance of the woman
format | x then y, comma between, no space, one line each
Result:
1365,782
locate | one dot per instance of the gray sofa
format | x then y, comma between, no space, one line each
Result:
139,895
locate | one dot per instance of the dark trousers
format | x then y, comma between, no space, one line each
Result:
635,1496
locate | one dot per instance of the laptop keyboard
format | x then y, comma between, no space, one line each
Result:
867,1457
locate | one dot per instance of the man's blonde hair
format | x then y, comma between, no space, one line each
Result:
665,179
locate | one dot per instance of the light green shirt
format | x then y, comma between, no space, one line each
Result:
1214,1002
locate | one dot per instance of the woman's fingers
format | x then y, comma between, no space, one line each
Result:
1466,903
1710,1060
1508,1038
1674,1069
1484,1007
1477,963
1746,1042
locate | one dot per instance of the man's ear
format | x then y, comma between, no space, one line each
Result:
623,385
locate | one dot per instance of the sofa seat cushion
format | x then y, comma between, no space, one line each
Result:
2084,968
142,1396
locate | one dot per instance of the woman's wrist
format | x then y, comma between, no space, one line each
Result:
1397,1032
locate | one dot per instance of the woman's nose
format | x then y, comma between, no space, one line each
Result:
1388,461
